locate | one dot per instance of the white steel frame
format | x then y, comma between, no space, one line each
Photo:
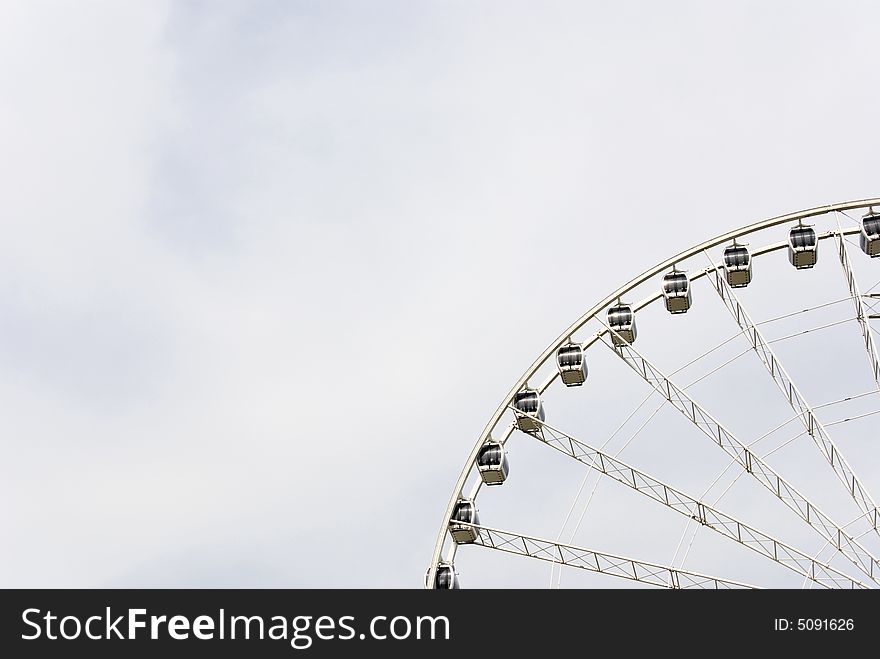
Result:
862,314
843,541
691,507
830,530
796,400
664,576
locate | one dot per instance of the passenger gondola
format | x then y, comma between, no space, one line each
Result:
445,577
737,266
492,463
869,238
463,516
622,320
529,410
572,364
677,292
803,247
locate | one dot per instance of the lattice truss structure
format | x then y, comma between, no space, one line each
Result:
845,560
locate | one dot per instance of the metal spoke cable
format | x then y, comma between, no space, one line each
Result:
664,576
593,491
786,443
853,418
861,314
718,368
598,480
827,425
783,445
762,472
714,482
724,492
703,495
817,407
770,432
577,526
851,218
645,423
848,398
691,507
796,313
715,502
763,322
743,327
871,306
707,353
747,350
729,465
872,288
619,451
812,329
843,542
788,421
807,583
814,427
688,386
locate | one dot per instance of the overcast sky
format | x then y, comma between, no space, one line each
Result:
268,267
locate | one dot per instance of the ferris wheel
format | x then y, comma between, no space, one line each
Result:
719,470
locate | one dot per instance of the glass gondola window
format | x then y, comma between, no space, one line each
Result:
527,401
619,316
491,455
802,237
676,282
464,512
869,239
570,356
736,256
446,578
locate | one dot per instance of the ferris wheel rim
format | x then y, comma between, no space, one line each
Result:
592,312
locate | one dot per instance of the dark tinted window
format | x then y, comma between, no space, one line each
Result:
803,237
464,512
527,402
619,316
872,225
675,283
736,256
570,356
491,455
445,577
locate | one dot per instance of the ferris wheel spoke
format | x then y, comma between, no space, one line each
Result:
826,544
798,403
594,561
496,430
866,562
692,508
862,315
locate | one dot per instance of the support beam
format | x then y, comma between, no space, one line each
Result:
586,559
754,465
689,506
590,314
798,403
861,312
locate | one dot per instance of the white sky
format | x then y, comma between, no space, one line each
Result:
268,267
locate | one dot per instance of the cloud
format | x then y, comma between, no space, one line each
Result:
270,268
